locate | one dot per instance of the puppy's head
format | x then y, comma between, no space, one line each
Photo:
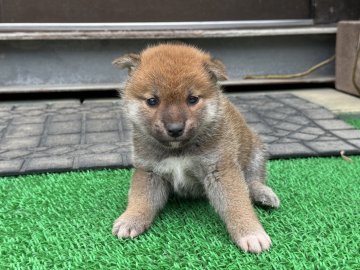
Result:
172,93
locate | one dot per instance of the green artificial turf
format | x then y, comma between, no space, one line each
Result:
64,221
353,120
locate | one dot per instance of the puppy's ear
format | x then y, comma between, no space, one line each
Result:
129,61
216,69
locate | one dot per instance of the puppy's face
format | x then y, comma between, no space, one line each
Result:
172,92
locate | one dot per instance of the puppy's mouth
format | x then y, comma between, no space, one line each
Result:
174,143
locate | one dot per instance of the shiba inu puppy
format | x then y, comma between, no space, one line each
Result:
190,140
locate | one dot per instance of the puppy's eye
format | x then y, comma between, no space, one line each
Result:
192,100
152,102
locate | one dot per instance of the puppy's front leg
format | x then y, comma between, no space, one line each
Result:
148,194
228,193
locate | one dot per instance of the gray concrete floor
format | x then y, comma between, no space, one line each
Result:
333,100
329,98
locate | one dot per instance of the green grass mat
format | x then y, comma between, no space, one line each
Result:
353,120
63,221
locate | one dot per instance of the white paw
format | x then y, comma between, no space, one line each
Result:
129,225
256,242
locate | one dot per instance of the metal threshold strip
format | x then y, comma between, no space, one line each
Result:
117,86
161,30
147,26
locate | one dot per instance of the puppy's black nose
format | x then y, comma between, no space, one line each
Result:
175,129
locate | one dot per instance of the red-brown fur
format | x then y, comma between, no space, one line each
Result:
217,155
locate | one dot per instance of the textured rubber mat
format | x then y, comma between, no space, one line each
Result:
68,135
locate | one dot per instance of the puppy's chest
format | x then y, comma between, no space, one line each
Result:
184,173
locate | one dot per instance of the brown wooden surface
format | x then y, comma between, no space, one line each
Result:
31,11
347,60
12,11
330,11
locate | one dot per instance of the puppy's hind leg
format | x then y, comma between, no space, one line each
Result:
263,195
255,176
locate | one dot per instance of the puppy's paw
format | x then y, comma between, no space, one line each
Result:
130,225
265,196
255,242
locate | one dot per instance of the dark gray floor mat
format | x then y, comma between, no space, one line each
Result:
67,135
